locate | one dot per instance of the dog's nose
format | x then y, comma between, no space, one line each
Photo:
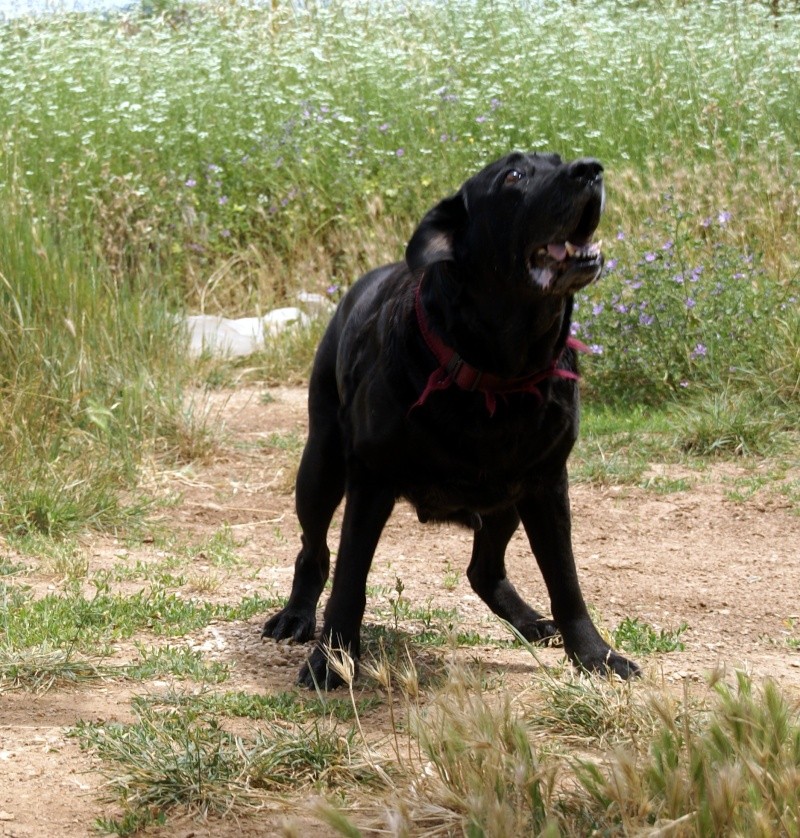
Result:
586,169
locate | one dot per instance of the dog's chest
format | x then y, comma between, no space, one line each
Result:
470,471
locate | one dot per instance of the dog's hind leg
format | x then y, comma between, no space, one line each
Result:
487,575
319,490
546,518
368,506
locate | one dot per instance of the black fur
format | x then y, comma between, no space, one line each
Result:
492,291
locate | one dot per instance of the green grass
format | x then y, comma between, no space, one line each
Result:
73,620
50,664
88,385
289,707
42,667
617,445
466,760
175,662
184,759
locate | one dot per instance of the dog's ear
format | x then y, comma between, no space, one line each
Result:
433,241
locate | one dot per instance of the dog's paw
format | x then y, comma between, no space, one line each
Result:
320,673
608,663
543,632
291,623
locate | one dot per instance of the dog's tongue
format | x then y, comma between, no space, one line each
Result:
557,251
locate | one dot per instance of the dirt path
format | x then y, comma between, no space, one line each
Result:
729,570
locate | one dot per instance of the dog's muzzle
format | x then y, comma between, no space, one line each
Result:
564,267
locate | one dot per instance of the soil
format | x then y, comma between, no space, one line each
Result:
729,569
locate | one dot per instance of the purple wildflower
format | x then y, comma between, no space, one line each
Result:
699,351
190,182
690,303
400,152
383,128
597,308
646,319
596,349
620,236
724,217
650,257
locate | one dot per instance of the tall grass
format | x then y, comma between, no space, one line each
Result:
86,382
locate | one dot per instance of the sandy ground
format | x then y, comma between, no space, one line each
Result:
729,570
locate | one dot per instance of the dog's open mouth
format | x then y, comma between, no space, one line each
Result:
564,267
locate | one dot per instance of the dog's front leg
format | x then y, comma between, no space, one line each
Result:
487,575
367,508
546,518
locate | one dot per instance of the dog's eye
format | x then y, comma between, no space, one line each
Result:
514,176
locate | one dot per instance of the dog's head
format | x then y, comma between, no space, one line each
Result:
528,218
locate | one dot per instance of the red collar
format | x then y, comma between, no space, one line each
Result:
454,370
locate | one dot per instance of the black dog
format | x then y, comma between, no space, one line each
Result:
449,379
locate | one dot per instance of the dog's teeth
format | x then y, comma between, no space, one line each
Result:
584,251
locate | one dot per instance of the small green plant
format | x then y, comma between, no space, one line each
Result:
288,707
72,620
666,485
175,662
793,636
63,557
182,759
40,668
397,603
9,568
291,441
635,636
451,577
218,549
165,760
